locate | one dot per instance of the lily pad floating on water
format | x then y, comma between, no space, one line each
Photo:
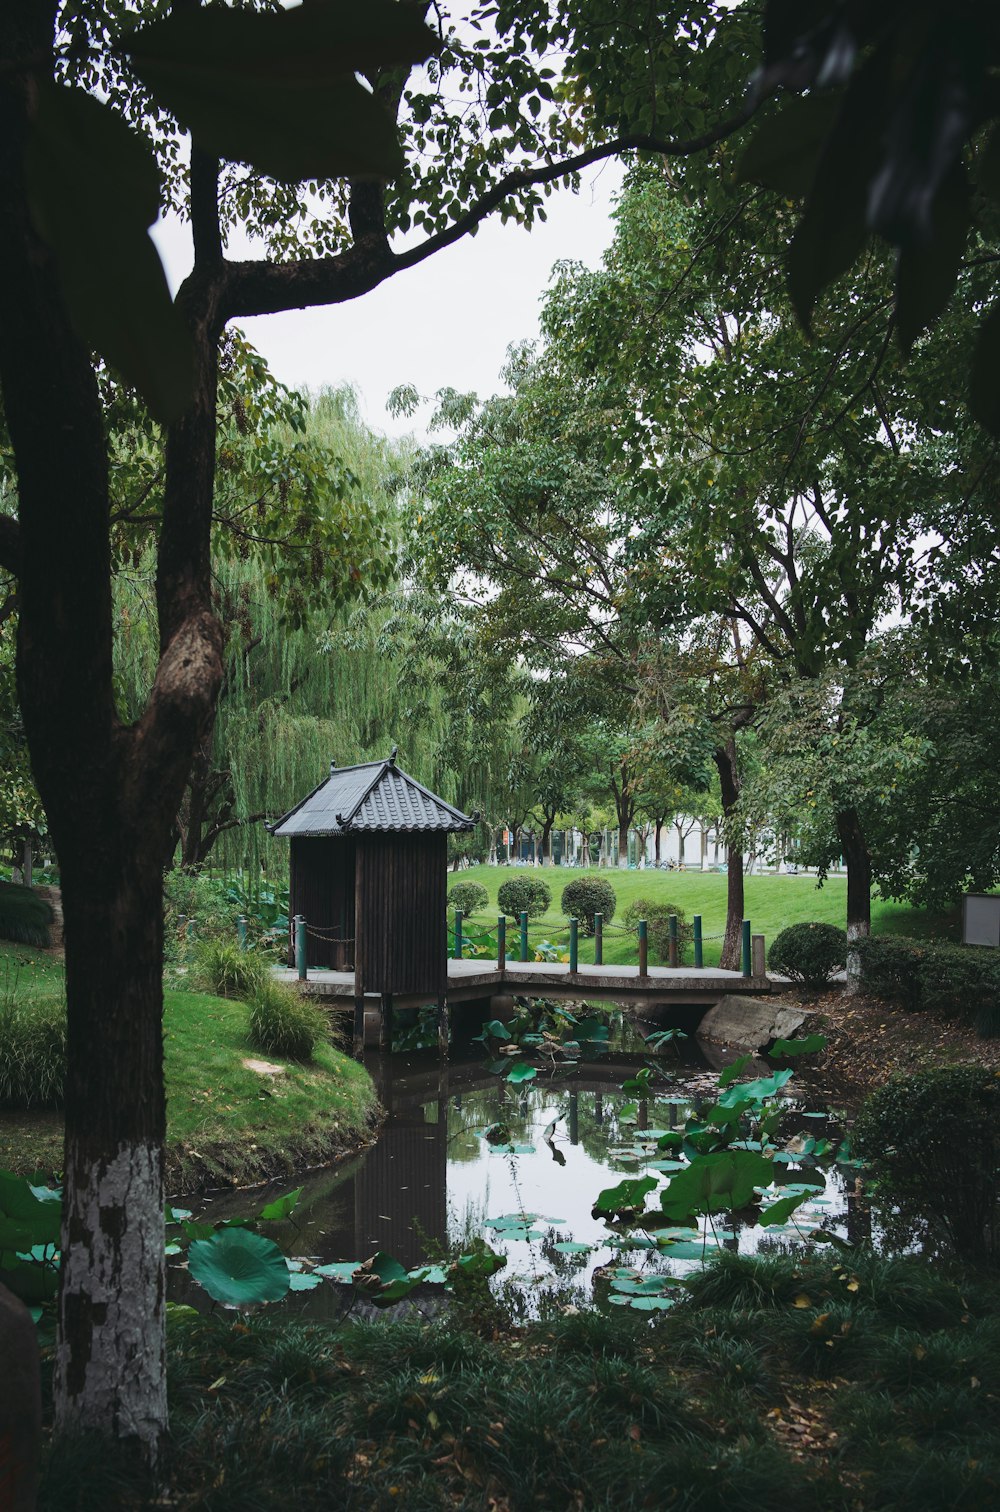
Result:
339,1270
303,1281
512,1149
572,1247
239,1267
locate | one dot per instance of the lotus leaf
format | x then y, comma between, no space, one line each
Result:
239,1267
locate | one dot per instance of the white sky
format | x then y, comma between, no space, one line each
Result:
446,323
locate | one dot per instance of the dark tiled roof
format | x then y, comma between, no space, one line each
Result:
377,798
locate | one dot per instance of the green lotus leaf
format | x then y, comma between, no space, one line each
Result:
239,1267
281,1207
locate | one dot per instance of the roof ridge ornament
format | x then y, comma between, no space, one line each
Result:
392,755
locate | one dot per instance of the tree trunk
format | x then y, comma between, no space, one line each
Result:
110,793
656,841
859,888
729,781
110,1359
546,845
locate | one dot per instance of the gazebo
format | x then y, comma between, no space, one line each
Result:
369,874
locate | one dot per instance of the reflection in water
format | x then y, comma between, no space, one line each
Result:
459,1148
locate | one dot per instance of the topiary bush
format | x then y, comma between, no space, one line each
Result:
808,953
222,967
587,896
32,1050
283,1022
932,1141
470,897
657,916
523,895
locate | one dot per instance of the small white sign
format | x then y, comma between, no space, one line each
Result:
981,919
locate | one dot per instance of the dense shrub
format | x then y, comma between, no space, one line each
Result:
222,967
284,1023
24,916
808,953
523,895
470,897
32,1050
933,974
657,916
587,896
932,1140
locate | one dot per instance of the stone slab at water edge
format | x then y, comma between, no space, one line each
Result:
751,1023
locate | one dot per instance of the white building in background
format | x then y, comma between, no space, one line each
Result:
687,844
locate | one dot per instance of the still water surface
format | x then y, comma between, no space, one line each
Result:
433,1180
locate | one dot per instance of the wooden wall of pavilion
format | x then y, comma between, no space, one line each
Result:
401,905
321,887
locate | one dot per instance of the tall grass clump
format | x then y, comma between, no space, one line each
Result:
32,1050
24,916
284,1023
223,967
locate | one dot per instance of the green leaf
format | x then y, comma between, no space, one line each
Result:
926,276
756,1091
833,228
733,1071
520,1072
806,1046
303,1281
281,1207
239,1267
650,1304
779,1211
93,189
627,1196
26,1218
572,1247
495,1030
279,91
721,1182
785,149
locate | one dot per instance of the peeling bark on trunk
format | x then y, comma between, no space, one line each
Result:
729,781
859,888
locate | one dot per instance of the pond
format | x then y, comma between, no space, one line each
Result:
464,1154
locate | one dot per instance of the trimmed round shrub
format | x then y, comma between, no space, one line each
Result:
32,1051
932,1141
587,896
470,897
808,953
283,1022
523,895
222,967
657,916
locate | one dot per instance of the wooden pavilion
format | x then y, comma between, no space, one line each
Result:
369,874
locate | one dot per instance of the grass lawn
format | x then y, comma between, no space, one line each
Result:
225,1121
772,902
824,1383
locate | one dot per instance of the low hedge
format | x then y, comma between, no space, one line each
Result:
808,953
587,896
469,897
921,974
657,916
523,895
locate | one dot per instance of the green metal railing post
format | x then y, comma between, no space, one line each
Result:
698,957
672,951
241,931
524,935
643,948
746,947
458,934
501,942
574,944
598,939
300,947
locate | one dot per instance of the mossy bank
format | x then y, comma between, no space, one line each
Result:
234,1116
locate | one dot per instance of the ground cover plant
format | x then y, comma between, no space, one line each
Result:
832,1382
